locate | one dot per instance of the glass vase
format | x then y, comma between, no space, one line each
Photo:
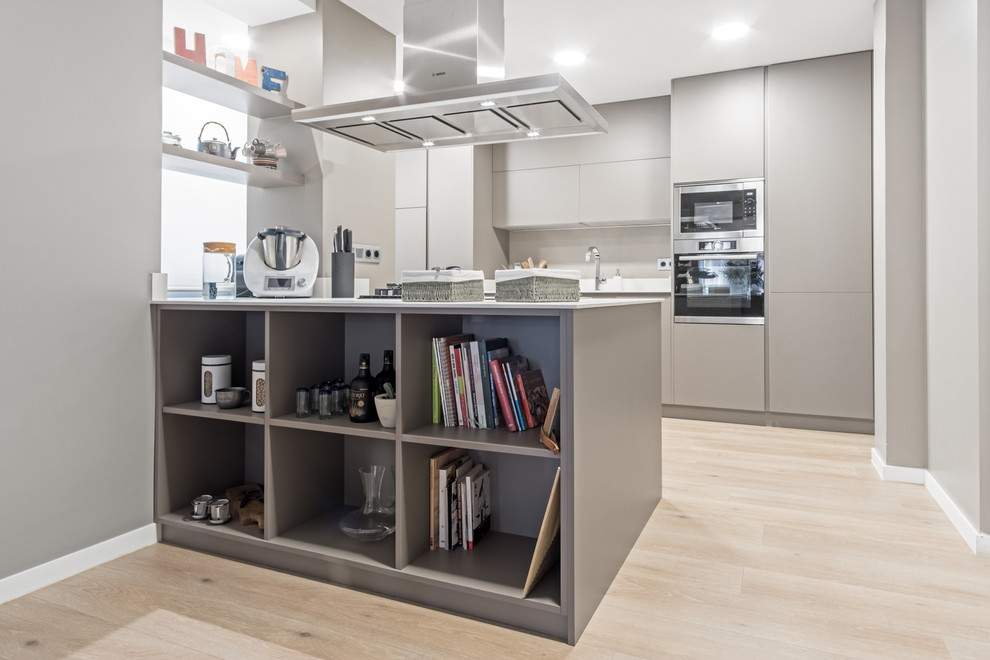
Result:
373,521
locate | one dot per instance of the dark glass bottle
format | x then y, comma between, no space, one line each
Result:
363,389
387,374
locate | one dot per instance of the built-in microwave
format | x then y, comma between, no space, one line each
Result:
719,209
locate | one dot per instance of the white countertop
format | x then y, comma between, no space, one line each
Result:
398,304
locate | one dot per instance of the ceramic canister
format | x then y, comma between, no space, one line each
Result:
258,389
215,373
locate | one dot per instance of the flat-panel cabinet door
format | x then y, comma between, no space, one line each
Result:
636,130
716,126
635,191
666,355
535,154
821,354
819,175
719,366
535,198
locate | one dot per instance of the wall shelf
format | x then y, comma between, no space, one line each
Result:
189,161
194,79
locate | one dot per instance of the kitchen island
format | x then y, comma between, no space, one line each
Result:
604,355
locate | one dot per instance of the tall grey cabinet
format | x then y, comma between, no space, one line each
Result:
819,243
717,126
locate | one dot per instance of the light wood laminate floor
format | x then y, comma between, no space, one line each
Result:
769,543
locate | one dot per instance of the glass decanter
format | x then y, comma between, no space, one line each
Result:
373,521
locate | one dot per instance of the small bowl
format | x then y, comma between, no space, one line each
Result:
232,397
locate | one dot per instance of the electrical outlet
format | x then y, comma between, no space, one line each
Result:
663,264
371,254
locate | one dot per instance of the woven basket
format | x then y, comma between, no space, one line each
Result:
443,286
537,285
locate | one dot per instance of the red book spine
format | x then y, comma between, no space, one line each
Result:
503,394
523,402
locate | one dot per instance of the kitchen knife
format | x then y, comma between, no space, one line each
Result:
348,241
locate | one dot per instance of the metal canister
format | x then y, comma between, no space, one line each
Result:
214,374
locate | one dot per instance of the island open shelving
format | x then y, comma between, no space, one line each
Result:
603,355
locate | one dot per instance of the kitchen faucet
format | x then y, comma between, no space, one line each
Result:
593,252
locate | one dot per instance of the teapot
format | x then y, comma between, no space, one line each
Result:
216,147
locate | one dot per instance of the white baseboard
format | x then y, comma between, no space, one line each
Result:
32,579
906,475
976,541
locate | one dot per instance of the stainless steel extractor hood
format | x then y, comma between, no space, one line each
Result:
453,66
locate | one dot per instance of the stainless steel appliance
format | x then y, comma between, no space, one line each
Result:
719,281
281,263
454,89
719,209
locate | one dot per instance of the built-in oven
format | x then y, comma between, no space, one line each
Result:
718,281
719,209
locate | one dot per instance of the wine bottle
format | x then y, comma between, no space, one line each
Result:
387,374
363,388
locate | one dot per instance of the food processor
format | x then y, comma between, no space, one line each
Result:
281,263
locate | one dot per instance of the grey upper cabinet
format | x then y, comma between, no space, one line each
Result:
819,175
636,130
821,354
634,191
546,197
717,126
618,178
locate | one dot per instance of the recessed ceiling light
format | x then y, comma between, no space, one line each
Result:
569,58
730,31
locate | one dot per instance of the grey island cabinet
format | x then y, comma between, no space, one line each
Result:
604,355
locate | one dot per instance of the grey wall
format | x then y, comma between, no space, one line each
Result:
82,194
899,233
358,183
954,264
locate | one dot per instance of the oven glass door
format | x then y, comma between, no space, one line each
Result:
718,288
720,210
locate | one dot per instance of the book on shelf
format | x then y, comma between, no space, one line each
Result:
547,549
455,367
446,476
478,385
490,349
533,396
446,375
481,506
512,365
436,390
469,401
436,461
458,504
502,391
464,495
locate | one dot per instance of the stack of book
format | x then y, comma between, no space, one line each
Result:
479,384
460,500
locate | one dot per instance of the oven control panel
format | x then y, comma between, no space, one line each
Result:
716,246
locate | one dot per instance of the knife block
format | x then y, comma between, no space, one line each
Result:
341,274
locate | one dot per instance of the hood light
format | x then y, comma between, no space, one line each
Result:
533,133
368,118
487,104
427,143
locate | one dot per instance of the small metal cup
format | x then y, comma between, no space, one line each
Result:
219,511
201,506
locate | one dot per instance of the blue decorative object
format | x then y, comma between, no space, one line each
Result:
269,76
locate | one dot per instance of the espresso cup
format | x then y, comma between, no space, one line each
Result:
219,511
200,506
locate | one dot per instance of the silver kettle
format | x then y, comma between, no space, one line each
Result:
216,147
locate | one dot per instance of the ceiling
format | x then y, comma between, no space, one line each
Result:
635,48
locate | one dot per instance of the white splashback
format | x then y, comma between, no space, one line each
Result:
633,250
